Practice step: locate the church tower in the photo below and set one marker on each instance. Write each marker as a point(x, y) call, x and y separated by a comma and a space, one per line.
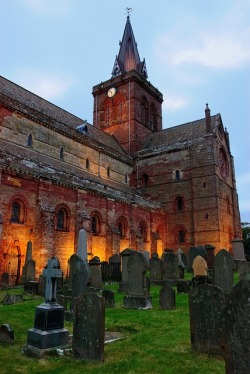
point(127, 105)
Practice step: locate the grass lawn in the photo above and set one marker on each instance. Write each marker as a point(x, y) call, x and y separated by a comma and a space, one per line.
point(155, 341)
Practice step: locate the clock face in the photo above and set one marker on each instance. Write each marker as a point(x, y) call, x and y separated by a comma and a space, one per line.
point(111, 92)
point(223, 165)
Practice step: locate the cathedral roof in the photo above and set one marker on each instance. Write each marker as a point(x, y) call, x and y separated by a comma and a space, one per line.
point(128, 57)
point(39, 109)
point(177, 137)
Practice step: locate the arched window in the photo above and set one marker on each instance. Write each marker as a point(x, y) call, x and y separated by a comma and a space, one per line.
point(144, 111)
point(181, 236)
point(107, 116)
point(61, 153)
point(121, 229)
point(30, 141)
point(126, 178)
point(62, 221)
point(95, 224)
point(108, 172)
point(144, 180)
point(17, 211)
point(87, 163)
point(177, 175)
point(153, 117)
point(143, 231)
point(179, 204)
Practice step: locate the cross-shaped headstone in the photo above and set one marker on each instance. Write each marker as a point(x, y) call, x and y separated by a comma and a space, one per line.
point(51, 273)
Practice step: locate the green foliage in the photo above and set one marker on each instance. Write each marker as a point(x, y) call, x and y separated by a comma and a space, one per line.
point(246, 238)
point(154, 341)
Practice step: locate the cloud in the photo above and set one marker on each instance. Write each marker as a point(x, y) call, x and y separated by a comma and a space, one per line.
point(243, 183)
point(221, 44)
point(47, 86)
point(55, 7)
point(174, 102)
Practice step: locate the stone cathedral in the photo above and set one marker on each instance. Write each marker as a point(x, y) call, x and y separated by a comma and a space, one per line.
point(126, 180)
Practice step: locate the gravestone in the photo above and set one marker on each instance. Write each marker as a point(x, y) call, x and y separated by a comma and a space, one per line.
point(154, 255)
point(210, 255)
point(105, 271)
point(31, 270)
point(238, 249)
point(79, 278)
point(182, 261)
point(244, 269)
point(82, 245)
point(89, 327)
point(109, 297)
point(194, 252)
point(48, 332)
point(6, 334)
point(5, 281)
point(123, 285)
point(205, 306)
point(115, 268)
point(137, 294)
point(28, 257)
point(167, 297)
point(224, 271)
point(199, 266)
point(146, 255)
point(12, 299)
point(155, 268)
point(183, 286)
point(235, 329)
point(96, 273)
point(170, 266)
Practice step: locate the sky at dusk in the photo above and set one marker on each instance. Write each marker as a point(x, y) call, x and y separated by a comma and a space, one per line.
point(196, 52)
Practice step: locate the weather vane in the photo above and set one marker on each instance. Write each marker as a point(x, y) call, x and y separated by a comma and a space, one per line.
point(128, 10)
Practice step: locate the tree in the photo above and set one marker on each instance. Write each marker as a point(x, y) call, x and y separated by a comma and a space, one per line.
point(246, 238)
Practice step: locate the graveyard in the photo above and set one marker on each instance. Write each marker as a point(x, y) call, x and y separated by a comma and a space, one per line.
point(156, 318)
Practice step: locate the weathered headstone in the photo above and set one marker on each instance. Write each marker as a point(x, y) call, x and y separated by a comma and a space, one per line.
point(6, 334)
point(89, 327)
point(170, 266)
point(12, 299)
point(235, 329)
point(48, 332)
point(199, 266)
point(109, 297)
point(137, 294)
point(123, 285)
point(31, 270)
point(210, 255)
point(183, 286)
point(79, 276)
point(244, 269)
point(5, 281)
point(82, 245)
point(28, 257)
point(192, 253)
point(96, 273)
point(238, 249)
point(205, 306)
point(182, 265)
point(224, 271)
point(167, 297)
point(155, 268)
point(115, 268)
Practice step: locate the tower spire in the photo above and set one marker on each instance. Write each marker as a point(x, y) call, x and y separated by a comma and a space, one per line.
point(128, 57)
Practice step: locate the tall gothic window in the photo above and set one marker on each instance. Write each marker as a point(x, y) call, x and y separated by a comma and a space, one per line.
point(30, 141)
point(61, 153)
point(179, 203)
point(144, 111)
point(181, 236)
point(17, 211)
point(62, 219)
point(95, 225)
point(87, 163)
point(153, 117)
point(107, 116)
